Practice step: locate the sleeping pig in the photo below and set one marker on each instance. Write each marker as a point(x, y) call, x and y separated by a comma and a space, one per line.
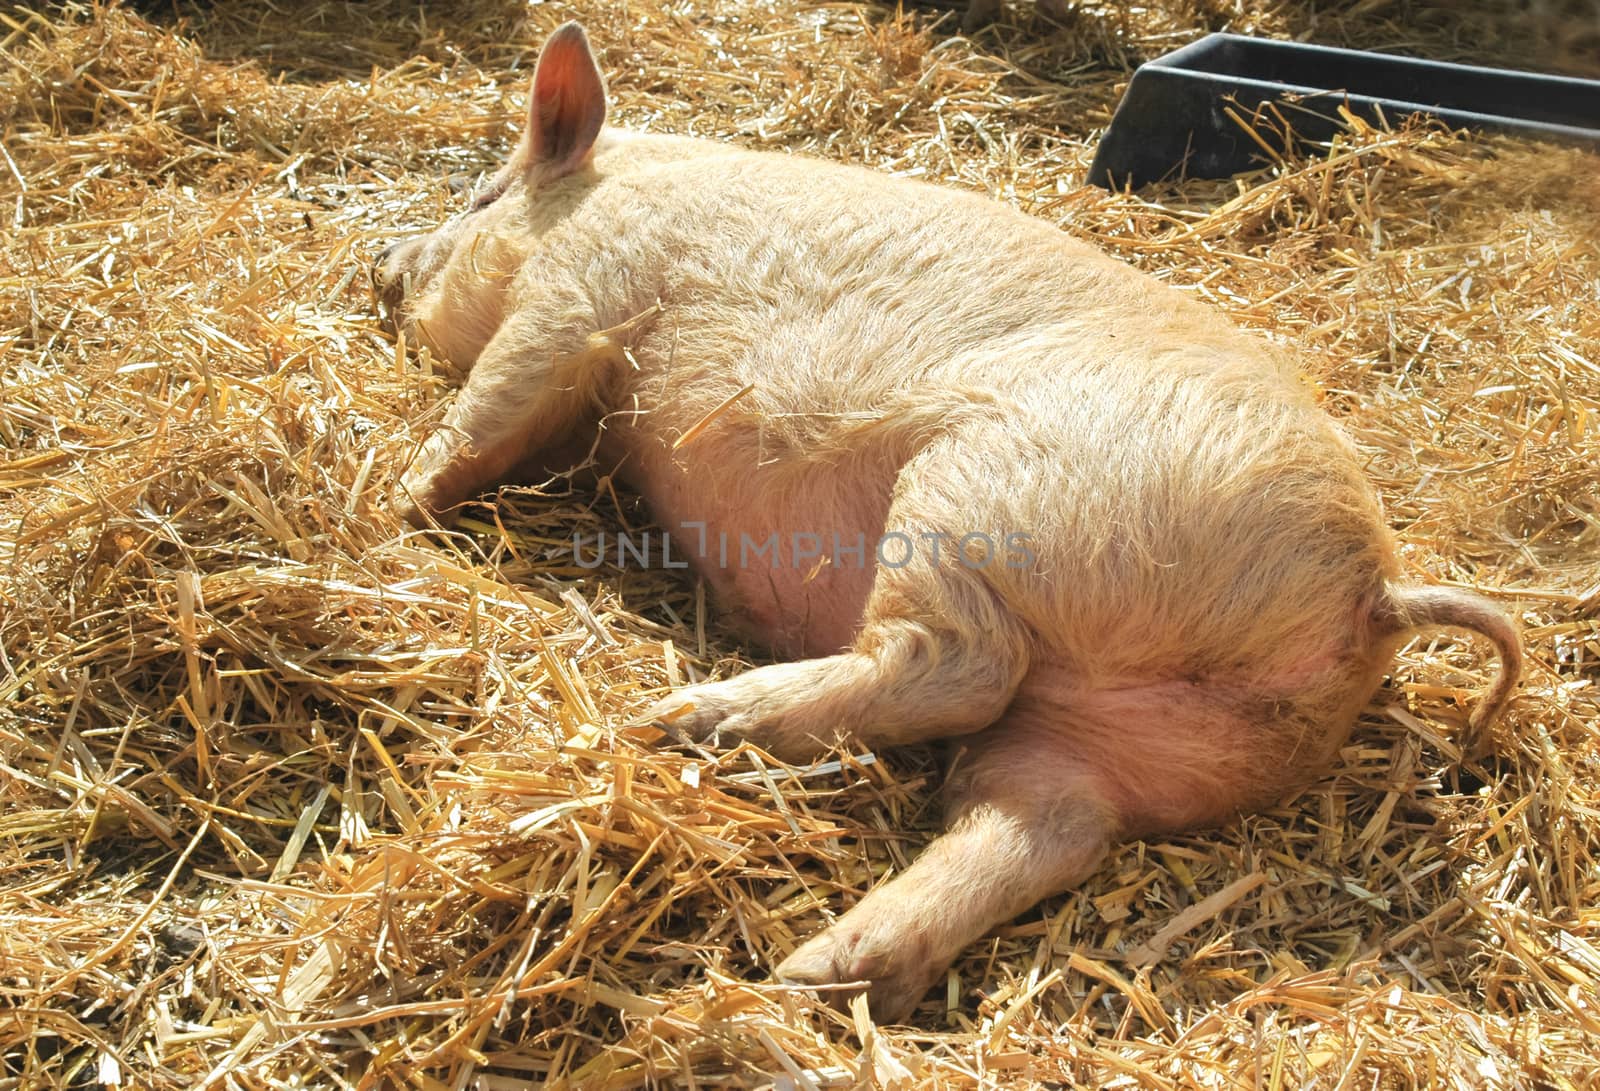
point(974, 480)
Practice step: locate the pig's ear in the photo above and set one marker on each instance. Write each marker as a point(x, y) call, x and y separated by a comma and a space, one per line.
point(568, 103)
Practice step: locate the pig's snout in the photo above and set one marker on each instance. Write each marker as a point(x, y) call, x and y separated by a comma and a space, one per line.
point(391, 271)
point(387, 287)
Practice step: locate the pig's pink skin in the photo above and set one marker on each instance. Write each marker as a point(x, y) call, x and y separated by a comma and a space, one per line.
point(769, 343)
point(793, 610)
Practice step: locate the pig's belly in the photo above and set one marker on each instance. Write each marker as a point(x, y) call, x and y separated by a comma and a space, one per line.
point(788, 550)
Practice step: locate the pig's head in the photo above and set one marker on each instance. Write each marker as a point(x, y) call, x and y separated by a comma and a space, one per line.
point(447, 289)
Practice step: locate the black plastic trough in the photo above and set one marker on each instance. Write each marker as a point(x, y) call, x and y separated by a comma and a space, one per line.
point(1175, 112)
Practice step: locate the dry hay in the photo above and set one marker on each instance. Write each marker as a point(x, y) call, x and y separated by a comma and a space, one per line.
point(289, 797)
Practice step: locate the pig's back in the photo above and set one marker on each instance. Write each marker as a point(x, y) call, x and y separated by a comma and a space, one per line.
point(838, 290)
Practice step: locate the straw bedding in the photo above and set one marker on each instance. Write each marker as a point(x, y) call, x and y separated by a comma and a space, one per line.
point(291, 797)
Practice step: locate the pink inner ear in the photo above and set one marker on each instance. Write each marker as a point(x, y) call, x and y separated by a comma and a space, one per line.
point(569, 102)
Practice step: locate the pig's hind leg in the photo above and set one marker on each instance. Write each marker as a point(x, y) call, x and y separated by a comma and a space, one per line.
point(1023, 822)
point(938, 652)
point(1035, 801)
point(527, 392)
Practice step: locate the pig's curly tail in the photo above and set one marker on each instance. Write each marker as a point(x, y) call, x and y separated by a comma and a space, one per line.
point(1402, 607)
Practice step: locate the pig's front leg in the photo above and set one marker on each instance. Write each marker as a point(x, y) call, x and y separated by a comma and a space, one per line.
point(526, 393)
point(1024, 823)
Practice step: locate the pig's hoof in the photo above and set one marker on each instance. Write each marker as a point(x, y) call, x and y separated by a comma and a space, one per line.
point(407, 511)
point(414, 503)
point(414, 514)
point(895, 968)
point(725, 714)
